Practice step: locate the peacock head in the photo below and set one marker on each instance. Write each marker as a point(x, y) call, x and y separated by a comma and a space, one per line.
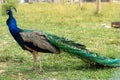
point(10, 11)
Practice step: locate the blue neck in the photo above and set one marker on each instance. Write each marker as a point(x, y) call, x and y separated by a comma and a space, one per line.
point(14, 30)
point(11, 22)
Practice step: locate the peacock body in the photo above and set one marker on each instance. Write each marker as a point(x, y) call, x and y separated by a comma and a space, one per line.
point(77, 49)
point(39, 41)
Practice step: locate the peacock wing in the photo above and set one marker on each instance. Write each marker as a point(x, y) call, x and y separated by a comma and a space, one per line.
point(38, 39)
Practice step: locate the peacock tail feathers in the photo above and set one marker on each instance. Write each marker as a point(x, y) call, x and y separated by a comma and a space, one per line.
point(80, 50)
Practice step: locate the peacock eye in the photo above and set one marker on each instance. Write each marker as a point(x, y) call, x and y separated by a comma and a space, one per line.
point(7, 12)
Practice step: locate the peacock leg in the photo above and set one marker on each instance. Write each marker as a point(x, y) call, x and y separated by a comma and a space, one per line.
point(37, 64)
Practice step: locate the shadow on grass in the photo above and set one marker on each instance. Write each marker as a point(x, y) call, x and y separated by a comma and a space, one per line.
point(16, 67)
point(57, 67)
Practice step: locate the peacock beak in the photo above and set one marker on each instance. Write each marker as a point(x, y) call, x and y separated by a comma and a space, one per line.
point(7, 12)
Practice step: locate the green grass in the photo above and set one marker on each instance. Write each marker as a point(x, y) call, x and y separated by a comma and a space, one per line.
point(84, 26)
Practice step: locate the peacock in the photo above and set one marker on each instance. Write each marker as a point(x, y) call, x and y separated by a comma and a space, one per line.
point(39, 41)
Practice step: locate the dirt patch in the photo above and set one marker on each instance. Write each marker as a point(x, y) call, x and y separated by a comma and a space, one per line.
point(2, 71)
point(3, 64)
point(3, 43)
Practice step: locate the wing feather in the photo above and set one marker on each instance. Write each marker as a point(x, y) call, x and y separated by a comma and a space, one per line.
point(39, 39)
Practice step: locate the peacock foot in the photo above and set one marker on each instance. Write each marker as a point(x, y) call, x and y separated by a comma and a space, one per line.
point(31, 69)
point(36, 70)
point(40, 71)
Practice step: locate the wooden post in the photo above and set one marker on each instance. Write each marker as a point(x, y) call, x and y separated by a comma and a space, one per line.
point(80, 3)
point(0, 1)
point(71, 1)
point(98, 5)
point(36, 0)
point(110, 1)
